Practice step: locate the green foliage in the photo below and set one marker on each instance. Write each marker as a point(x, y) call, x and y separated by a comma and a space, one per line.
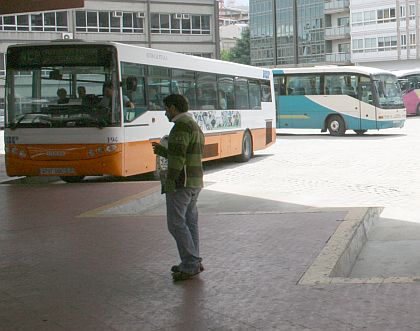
point(225, 55)
point(241, 52)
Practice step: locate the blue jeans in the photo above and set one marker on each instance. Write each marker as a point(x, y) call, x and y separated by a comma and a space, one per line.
point(182, 218)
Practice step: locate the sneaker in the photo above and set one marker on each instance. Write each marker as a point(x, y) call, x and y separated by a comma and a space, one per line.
point(175, 268)
point(179, 276)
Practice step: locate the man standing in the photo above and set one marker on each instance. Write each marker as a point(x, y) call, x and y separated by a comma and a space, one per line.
point(183, 184)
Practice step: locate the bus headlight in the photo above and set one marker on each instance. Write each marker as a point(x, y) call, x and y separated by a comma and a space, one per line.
point(91, 153)
point(100, 150)
point(15, 150)
point(111, 148)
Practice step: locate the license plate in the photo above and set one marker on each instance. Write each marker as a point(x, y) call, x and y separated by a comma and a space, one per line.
point(56, 171)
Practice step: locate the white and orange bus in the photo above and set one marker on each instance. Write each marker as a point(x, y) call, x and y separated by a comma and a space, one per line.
point(110, 107)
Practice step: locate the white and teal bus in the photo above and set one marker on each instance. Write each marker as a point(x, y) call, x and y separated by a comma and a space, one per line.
point(110, 108)
point(338, 98)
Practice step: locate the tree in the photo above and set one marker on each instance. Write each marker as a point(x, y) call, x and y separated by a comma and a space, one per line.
point(241, 52)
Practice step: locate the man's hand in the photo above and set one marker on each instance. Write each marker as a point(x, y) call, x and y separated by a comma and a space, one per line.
point(158, 149)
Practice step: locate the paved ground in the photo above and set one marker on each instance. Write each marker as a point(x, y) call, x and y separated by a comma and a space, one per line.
point(72, 259)
point(63, 268)
point(380, 168)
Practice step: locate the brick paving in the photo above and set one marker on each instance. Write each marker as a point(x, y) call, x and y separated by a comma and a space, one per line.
point(59, 271)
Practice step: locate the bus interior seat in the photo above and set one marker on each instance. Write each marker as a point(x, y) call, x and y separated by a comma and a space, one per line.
point(299, 91)
point(349, 90)
point(337, 90)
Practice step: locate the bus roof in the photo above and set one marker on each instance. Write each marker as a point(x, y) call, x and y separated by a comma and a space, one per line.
point(151, 56)
point(407, 72)
point(332, 69)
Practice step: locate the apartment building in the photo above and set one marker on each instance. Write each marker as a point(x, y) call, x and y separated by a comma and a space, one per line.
point(385, 33)
point(189, 27)
point(305, 32)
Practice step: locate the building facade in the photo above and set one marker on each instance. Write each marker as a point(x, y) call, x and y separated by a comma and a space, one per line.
point(305, 32)
point(189, 27)
point(385, 34)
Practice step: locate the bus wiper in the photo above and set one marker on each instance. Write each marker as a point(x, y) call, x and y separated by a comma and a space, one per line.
point(99, 123)
point(14, 126)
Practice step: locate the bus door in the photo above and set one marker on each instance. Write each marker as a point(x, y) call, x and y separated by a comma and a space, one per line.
point(367, 109)
point(284, 119)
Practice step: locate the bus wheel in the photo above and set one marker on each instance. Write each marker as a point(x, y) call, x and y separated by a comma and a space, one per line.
point(336, 125)
point(360, 132)
point(418, 110)
point(246, 154)
point(72, 179)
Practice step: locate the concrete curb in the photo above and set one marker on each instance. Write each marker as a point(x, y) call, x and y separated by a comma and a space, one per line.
point(129, 206)
point(336, 260)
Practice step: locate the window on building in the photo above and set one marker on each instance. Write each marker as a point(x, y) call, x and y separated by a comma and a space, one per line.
point(344, 48)
point(179, 23)
point(23, 22)
point(357, 19)
point(9, 23)
point(387, 43)
point(109, 21)
point(357, 45)
point(413, 42)
point(48, 21)
point(343, 21)
point(412, 11)
point(403, 41)
point(369, 17)
point(370, 45)
point(402, 12)
point(206, 55)
point(2, 64)
point(386, 15)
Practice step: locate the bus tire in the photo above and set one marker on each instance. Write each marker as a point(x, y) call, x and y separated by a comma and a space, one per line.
point(247, 150)
point(360, 132)
point(418, 110)
point(72, 179)
point(336, 125)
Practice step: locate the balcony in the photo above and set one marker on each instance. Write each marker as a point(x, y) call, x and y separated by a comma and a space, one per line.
point(337, 32)
point(336, 6)
point(338, 58)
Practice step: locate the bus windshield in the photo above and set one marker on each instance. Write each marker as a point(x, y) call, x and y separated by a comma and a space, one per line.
point(388, 91)
point(61, 87)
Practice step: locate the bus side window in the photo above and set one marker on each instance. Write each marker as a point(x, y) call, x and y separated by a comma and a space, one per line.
point(254, 95)
point(133, 90)
point(266, 91)
point(206, 91)
point(225, 87)
point(242, 93)
point(280, 85)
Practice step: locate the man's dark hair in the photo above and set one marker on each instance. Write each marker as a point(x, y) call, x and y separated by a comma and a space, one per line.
point(108, 83)
point(178, 101)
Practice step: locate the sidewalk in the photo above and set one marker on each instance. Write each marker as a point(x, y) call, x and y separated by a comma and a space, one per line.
point(93, 256)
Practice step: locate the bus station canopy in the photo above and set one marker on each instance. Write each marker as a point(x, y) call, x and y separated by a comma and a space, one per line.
point(27, 6)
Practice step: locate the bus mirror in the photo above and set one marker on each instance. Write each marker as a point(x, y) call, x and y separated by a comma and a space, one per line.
point(55, 74)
